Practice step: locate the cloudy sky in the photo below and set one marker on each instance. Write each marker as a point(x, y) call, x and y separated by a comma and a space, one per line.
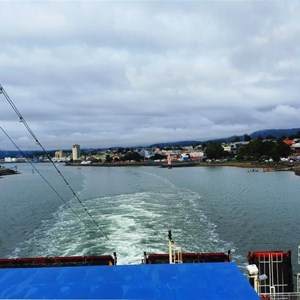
point(123, 73)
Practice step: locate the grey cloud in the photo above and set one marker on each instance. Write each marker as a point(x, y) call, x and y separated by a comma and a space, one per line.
point(124, 73)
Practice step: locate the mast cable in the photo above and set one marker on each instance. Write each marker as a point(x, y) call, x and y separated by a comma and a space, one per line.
point(43, 177)
point(22, 120)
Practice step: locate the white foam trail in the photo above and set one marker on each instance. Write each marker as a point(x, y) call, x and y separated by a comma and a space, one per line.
point(134, 222)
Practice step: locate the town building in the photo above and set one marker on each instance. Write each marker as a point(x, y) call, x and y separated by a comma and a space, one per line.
point(146, 153)
point(296, 149)
point(59, 154)
point(196, 155)
point(227, 148)
point(76, 152)
point(10, 159)
point(288, 142)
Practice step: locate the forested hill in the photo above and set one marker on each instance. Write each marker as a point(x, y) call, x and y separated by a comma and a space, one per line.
point(14, 153)
point(276, 133)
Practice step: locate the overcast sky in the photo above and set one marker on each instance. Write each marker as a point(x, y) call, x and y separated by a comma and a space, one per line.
point(123, 73)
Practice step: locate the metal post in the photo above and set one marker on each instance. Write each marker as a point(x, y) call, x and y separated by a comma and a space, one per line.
point(170, 248)
point(298, 283)
point(256, 283)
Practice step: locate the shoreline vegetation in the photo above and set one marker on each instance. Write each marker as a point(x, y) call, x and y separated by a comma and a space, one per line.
point(252, 166)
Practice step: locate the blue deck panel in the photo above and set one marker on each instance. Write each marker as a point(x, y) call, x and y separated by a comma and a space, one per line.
point(181, 281)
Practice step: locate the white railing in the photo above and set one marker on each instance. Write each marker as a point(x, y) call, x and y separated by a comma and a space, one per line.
point(177, 255)
point(269, 265)
point(175, 252)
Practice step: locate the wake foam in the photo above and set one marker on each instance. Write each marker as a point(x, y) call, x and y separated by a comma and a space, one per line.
point(134, 222)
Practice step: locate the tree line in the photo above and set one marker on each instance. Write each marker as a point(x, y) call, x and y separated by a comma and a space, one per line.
point(256, 149)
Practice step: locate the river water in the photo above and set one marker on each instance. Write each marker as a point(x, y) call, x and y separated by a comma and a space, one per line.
point(207, 209)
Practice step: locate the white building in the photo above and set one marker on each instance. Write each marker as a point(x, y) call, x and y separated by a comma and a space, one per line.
point(196, 155)
point(10, 159)
point(227, 148)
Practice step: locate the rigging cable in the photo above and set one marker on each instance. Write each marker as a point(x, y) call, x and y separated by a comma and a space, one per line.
point(43, 177)
point(22, 120)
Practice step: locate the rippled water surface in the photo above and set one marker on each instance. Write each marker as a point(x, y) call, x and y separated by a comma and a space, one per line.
point(208, 209)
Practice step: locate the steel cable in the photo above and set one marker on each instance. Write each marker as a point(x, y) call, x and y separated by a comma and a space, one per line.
point(21, 119)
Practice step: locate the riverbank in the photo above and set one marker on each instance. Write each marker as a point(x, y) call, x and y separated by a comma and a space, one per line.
point(271, 166)
point(264, 166)
point(276, 166)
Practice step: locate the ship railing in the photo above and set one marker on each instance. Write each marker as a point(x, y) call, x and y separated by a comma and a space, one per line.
point(280, 296)
point(177, 255)
point(175, 252)
point(271, 258)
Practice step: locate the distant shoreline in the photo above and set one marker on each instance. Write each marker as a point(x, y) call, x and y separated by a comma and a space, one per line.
point(270, 166)
point(251, 166)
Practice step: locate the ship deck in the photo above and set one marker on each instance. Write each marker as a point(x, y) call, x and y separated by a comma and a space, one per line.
point(161, 281)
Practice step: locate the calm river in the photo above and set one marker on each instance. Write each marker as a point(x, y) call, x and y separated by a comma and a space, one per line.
point(207, 208)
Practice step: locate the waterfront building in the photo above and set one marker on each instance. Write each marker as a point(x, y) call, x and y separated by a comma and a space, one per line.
point(296, 148)
point(197, 155)
point(146, 153)
point(76, 152)
point(226, 148)
point(10, 159)
point(59, 154)
point(288, 142)
point(236, 145)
